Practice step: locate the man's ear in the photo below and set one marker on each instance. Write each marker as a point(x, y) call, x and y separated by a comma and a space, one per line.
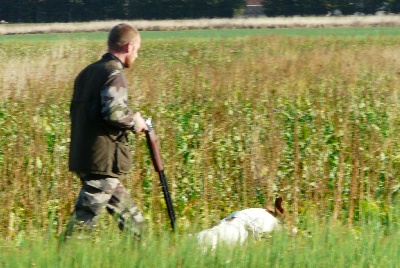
point(128, 47)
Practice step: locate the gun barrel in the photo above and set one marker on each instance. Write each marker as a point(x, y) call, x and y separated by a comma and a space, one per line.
point(167, 198)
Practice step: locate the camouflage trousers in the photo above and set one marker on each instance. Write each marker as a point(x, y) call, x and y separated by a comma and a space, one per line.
point(101, 192)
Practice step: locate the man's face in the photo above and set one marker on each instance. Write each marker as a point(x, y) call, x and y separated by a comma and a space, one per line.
point(133, 52)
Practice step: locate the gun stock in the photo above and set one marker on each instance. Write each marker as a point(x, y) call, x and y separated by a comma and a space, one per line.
point(152, 142)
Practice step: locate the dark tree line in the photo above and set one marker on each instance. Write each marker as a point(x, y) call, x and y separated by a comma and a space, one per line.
point(89, 10)
point(322, 7)
point(177, 9)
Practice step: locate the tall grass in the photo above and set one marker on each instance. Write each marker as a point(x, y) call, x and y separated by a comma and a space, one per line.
point(324, 244)
point(314, 119)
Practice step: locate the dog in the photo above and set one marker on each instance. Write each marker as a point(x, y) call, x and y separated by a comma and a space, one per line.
point(238, 226)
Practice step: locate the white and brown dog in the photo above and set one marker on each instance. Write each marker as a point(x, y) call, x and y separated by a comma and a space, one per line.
point(238, 226)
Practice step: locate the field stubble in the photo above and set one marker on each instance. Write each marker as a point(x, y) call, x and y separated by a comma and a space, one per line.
point(390, 20)
point(313, 119)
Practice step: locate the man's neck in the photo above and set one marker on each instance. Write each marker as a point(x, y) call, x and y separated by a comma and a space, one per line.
point(118, 56)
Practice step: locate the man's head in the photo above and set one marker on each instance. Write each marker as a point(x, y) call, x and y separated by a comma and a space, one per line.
point(124, 42)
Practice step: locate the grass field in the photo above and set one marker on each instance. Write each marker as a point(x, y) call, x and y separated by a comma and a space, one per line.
point(242, 116)
point(323, 245)
point(218, 33)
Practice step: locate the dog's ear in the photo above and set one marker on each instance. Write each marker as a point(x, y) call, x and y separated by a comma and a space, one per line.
point(279, 210)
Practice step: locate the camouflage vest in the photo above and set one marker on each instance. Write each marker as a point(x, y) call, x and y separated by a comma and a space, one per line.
point(96, 147)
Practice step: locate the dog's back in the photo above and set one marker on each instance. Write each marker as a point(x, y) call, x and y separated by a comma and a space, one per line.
point(256, 220)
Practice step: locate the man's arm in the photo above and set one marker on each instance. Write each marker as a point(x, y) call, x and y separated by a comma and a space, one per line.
point(114, 107)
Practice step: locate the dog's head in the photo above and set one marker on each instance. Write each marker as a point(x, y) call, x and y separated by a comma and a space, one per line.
point(278, 211)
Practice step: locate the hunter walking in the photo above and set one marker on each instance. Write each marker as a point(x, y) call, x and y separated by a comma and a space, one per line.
point(100, 122)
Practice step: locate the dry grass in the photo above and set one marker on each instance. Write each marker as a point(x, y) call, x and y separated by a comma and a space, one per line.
point(236, 23)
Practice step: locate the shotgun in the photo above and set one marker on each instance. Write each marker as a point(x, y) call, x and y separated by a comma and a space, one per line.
point(154, 148)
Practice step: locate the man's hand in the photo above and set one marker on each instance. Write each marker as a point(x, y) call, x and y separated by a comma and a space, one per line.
point(140, 124)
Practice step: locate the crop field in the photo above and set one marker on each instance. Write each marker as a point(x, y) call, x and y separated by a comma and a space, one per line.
point(242, 116)
point(100, 36)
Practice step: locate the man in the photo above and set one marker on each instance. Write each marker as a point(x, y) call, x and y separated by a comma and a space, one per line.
point(100, 121)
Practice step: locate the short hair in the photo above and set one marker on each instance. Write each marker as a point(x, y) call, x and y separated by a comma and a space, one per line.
point(120, 35)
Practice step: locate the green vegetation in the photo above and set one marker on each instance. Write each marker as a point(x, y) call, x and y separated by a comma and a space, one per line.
point(314, 119)
point(318, 245)
point(219, 33)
